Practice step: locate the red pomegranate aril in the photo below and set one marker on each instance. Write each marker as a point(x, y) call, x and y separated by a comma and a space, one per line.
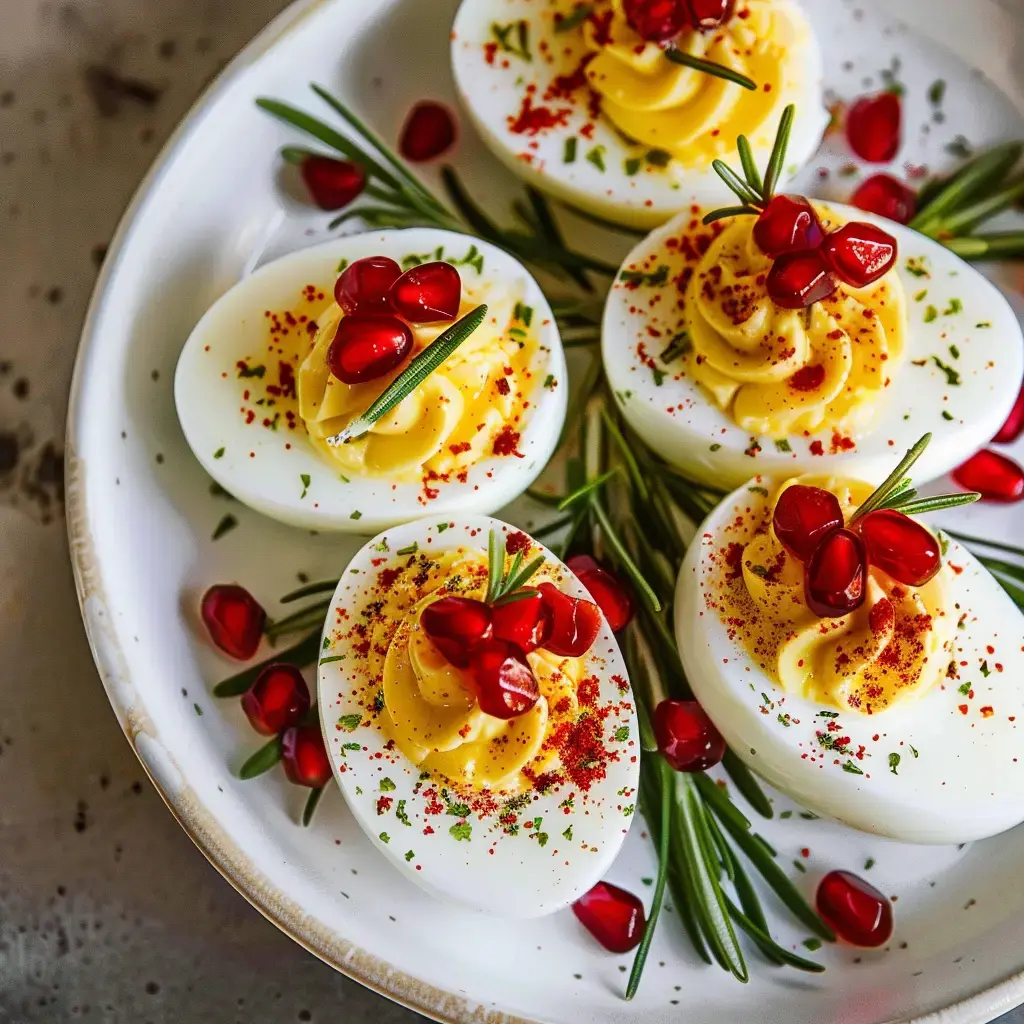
point(900, 546)
point(575, 623)
point(857, 912)
point(277, 700)
point(367, 346)
point(332, 184)
point(788, 224)
point(1014, 425)
point(428, 294)
point(860, 253)
point(524, 622)
point(995, 477)
point(657, 21)
point(364, 286)
point(686, 737)
point(612, 594)
point(429, 131)
point(706, 14)
point(884, 195)
point(505, 686)
point(454, 624)
point(835, 577)
point(873, 127)
point(304, 756)
point(799, 279)
point(803, 517)
point(234, 619)
point(613, 916)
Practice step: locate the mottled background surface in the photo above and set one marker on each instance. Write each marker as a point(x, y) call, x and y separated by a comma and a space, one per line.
point(107, 911)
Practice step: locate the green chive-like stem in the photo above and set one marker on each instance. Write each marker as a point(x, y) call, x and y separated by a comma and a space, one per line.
point(750, 171)
point(1005, 245)
point(495, 564)
point(729, 211)
point(746, 195)
point(309, 590)
point(304, 653)
point(262, 761)
point(893, 480)
point(421, 367)
point(709, 67)
point(590, 486)
point(777, 161)
point(311, 801)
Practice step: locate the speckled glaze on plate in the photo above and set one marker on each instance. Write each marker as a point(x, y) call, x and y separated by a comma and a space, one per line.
point(141, 516)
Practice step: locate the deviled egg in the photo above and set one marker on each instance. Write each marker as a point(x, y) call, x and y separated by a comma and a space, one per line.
point(724, 376)
point(477, 713)
point(285, 366)
point(590, 103)
point(869, 669)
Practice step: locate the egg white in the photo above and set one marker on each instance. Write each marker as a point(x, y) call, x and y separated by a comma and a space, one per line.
point(492, 94)
point(272, 479)
point(966, 779)
point(679, 421)
point(520, 878)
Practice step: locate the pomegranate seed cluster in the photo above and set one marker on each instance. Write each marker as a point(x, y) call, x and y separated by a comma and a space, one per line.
point(808, 263)
point(660, 21)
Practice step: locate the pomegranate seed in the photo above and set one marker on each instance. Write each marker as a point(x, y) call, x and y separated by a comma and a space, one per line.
point(788, 224)
point(860, 253)
point(525, 622)
point(428, 132)
point(234, 619)
point(575, 623)
point(803, 517)
point(686, 737)
point(995, 477)
point(835, 576)
point(428, 294)
point(277, 700)
point(505, 686)
point(363, 286)
point(612, 594)
point(706, 14)
point(900, 546)
point(873, 127)
point(367, 346)
point(799, 279)
point(613, 916)
point(857, 912)
point(454, 624)
point(1014, 425)
point(304, 756)
point(884, 195)
point(332, 183)
point(657, 21)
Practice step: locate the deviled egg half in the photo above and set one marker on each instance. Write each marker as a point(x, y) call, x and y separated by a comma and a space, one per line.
point(478, 715)
point(724, 360)
point(589, 102)
point(871, 670)
point(291, 358)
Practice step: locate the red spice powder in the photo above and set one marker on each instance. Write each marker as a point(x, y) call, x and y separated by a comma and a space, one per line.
point(532, 120)
point(503, 386)
point(516, 541)
point(807, 378)
point(506, 443)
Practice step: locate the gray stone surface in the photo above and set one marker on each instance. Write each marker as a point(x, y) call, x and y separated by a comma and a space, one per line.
point(107, 911)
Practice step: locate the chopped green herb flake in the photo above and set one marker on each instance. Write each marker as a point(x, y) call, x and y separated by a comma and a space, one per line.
point(917, 266)
point(342, 265)
point(410, 550)
point(549, 381)
point(715, 447)
point(946, 414)
point(567, 834)
point(812, 944)
point(385, 838)
point(402, 814)
point(894, 763)
point(964, 689)
point(913, 750)
point(245, 370)
point(919, 297)
point(828, 714)
point(784, 720)
point(808, 816)
point(517, 44)
point(758, 489)
point(659, 157)
point(936, 91)
point(409, 855)
point(226, 525)
point(305, 478)
point(198, 710)
point(985, 670)
point(356, 515)
point(955, 306)
point(659, 376)
point(571, 145)
point(952, 375)
point(851, 768)
point(622, 733)
point(632, 166)
point(332, 659)
point(441, 527)
point(983, 324)
point(783, 445)
point(653, 278)
point(219, 453)
point(461, 830)
point(930, 314)
point(799, 866)
point(350, 722)
point(574, 18)
point(786, 814)
point(596, 157)
point(386, 785)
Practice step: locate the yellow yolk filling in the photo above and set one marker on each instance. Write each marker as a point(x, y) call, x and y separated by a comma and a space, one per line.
point(888, 650)
point(782, 371)
point(692, 115)
point(452, 419)
point(429, 708)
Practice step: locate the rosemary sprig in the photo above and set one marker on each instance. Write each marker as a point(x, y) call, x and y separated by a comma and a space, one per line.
point(1002, 245)
point(709, 67)
point(894, 481)
point(413, 375)
point(505, 586)
point(753, 192)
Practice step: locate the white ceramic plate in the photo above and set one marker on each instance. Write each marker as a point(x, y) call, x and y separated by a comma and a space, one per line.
point(141, 517)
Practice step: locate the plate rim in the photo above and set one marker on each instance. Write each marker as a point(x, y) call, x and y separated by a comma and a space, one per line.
point(198, 823)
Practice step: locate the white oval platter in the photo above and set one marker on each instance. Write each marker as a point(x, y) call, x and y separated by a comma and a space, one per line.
point(141, 516)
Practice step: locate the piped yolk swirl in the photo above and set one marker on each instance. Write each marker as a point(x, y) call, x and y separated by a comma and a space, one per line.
point(690, 114)
point(781, 371)
point(888, 650)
